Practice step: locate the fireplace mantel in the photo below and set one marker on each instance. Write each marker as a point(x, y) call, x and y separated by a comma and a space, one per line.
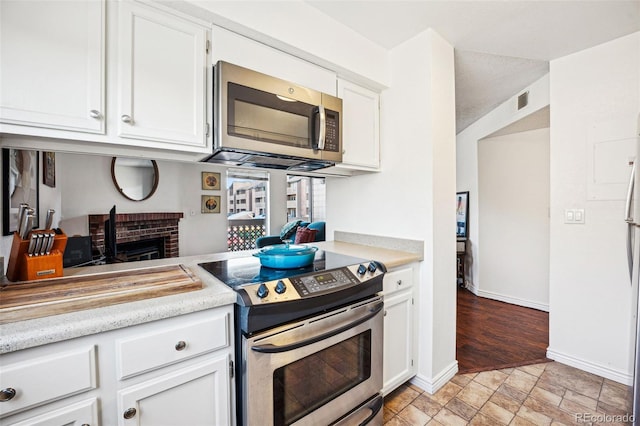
point(137, 227)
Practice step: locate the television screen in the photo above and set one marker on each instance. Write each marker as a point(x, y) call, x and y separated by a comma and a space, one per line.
point(110, 250)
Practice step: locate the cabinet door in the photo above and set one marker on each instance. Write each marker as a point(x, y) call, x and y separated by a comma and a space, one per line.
point(398, 344)
point(82, 413)
point(361, 125)
point(197, 395)
point(52, 67)
point(162, 78)
point(239, 50)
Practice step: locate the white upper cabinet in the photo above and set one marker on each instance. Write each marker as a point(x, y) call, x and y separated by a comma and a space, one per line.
point(52, 64)
point(360, 126)
point(162, 77)
point(245, 52)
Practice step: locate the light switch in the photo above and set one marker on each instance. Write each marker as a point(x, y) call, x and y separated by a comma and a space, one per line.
point(574, 216)
point(569, 216)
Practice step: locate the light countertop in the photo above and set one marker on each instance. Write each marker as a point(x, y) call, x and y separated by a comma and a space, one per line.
point(35, 332)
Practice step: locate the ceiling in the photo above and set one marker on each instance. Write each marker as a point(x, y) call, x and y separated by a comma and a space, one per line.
point(501, 47)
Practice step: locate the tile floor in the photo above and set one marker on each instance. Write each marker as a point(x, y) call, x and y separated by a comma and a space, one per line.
point(540, 394)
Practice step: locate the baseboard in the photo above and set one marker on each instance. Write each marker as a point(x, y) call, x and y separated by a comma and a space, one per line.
point(599, 370)
point(441, 379)
point(509, 299)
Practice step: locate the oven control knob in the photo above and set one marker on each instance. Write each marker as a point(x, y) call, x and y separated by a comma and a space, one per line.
point(280, 287)
point(372, 267)
point(362, 269)
point(263, 291)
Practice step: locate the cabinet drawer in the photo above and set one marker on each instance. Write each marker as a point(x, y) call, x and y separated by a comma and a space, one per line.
point(82, 413)
point(152, 350)
point(41, 380)
point(397, 280)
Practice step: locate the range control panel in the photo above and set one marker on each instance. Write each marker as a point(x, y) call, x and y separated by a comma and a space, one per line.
point(311, 284)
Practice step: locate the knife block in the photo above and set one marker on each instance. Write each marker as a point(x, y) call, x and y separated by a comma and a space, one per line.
point(23, 267)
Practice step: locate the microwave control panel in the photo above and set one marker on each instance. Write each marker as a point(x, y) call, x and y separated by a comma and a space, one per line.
point(332, 138)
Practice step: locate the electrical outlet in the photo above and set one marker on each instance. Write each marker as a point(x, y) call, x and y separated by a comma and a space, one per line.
point(574, 216)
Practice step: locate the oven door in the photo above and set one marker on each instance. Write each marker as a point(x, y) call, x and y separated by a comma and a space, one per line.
point(316, 371)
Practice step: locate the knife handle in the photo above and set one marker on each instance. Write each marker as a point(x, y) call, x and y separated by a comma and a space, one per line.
point(39, 242)
point(52, 237)
point(32, 244)
point(49, 220)
point(22, 212)
point(23, 226)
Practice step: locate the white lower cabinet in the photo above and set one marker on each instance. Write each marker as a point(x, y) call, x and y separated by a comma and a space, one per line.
point(198, 395)
point(399, 347)
point(174, 371)
point(38, 380)
point(83, 413)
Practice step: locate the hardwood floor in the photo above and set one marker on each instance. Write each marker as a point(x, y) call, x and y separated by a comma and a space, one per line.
point(493, 335)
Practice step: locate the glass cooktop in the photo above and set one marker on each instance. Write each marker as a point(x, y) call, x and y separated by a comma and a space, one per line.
point(245, 270)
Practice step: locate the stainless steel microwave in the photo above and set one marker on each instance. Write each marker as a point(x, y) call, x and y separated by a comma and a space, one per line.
point(263, 121)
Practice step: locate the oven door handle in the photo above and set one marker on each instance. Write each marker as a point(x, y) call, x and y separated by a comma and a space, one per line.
point(375, 407)
point(273, 349)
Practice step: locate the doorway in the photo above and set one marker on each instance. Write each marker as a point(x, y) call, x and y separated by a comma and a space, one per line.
point(512, 267)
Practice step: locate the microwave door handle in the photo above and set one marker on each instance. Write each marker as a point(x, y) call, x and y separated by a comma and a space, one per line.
point(323, 127)
point(273, 349)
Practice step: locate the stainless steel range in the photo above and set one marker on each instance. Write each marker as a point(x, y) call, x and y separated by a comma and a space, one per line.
point(308, 340)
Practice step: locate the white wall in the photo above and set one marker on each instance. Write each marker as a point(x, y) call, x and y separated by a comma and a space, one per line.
point(467, 163)
point(414, 195)
point(594, 109)
point(514, 217)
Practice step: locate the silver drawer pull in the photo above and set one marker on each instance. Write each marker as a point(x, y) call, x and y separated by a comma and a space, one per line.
point(7, 394)
point(181, 345)
point(94, 113)
point(129, 413)
point(399, 282)
point(126, 119)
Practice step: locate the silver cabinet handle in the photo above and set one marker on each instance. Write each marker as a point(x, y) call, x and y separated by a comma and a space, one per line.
point(129, 413)
point(7, 394)
point(126, 118)
point(399, 282)
point(94, 113)
point(181, 345)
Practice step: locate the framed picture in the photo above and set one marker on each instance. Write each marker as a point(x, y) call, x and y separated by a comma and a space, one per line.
point(210, 180)
point(210, 204)
point(19, 185)
point(49, 169)
point(462, 214)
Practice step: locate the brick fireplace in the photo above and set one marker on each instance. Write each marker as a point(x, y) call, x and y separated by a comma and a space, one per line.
point(139, 227)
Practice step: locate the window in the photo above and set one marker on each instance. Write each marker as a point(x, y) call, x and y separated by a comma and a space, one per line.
point(306, 198)
point(247, 192)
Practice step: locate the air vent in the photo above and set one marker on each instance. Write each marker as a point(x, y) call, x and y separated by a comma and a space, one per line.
point(523, 100)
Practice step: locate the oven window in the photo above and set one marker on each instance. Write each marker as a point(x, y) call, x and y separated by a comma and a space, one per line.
point(306, 384)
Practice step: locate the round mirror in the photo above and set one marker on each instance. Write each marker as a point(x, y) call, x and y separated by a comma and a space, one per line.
point(135, 178)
